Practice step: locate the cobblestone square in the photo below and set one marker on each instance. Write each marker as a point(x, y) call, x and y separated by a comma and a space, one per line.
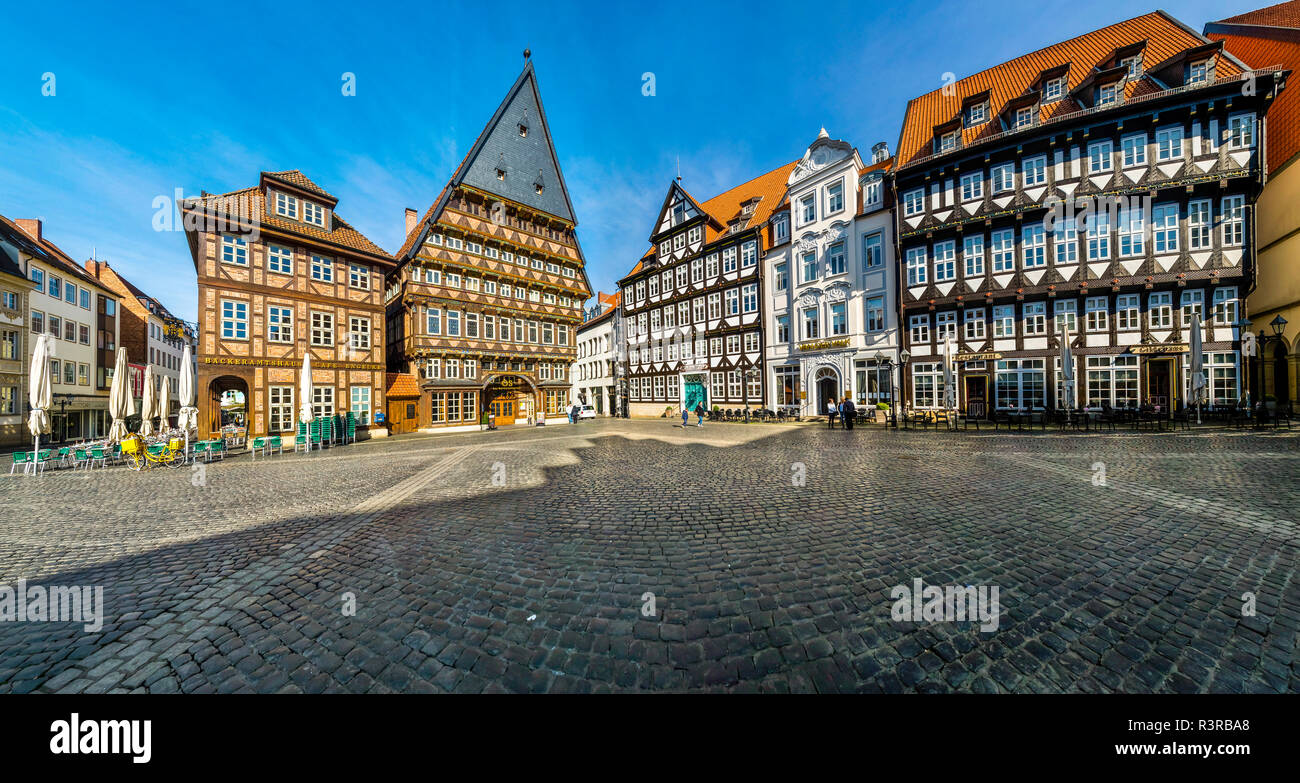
point(527, 561)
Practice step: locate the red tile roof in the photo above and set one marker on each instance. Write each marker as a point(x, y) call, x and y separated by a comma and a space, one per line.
point(1261, 39)
point(299, 180)
point(53, 254)
point(401, 385)
point(1084, 55)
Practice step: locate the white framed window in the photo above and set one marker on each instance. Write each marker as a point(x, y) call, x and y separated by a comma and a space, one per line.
point(1065, 241)
point(279, 324)
point(1025, 116)
point(322, 401)
point(1096, 311)
point(279, 259)
point(1127, 312)
point(750, 297)
point(834, 197)
point(1099, 236)
point(1100, 157)
point(918, 327)
point(322, 269)
point(811, 323)
point(361, 404)
point(359, 333)
point(977, 113)
point(1198, 73)
point(876, 314)
point(947, 142)
point(1164, 228)
point(1192, 302)
point(711, 265)
point(280, 399)
point(872, 251)
point(1234, 220)
point(313, 213)
point(807, 209)
point(1035, 170)
point(1132, 235)
point(1066, 312)
point(945, 325)
point(972, 251)
point(1160, 310)
point(733, 302)
point(1053, 89)
point(1004, 321)
point(1241, 131)
point(433, 321)
point(1107, 94)
point(945, 264)
point(359, 276)
point(835, 258)
point(927, 385)
point(1226, 306)
point(729, 259)
point(234, 250)
point(839, 319)
point(809, 267)
point(1033, 238)
point(974, 322)
point(914, 202)
point(286, 205)
point(1169, 143)
point(748, 258)
point(1002, 178)
point(322, 328)
point(916, 266)
point(1199, 224)
point(972, 186)
point(1003, 247)
point(1035, 318)
point(1134, 148)
point(1133, 65)
point(234, 319)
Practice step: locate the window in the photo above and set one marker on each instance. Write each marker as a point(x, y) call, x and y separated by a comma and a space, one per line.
point(1004, 250)
point(1053, 89)
point(234, 320)
point(322, 269)
point(711, 265)
point(972, 251)
point(1225, 306)
point(281, 408)
point(1066, 311)
point(809, 267)
point(433, 323)
point(85, 299)
point(1099, 157)
point(55, 325)
point(807, 209)
point(1234, 220)
point(38, 277)
point(83, 374)
point(1132, 237)
point(811, 328)
point(927, 385)
point(10, 342)
point(872, 252)
point(1035, 170)
point(751, 342)
point(947, 141)
point(433, 368)
point(1112, 380)
point(1164, 227)
point(839, 321)
point(313, 213)
point(279, 259)
point(918, 327)
point(945, 325)
point(729, 260)
point(1135, 149)
point(359, 277)
point(1035, 318)
point(1169, 144)
point(733, 344)
point(234, 250)
point(972, 186)
point(1096, 311)
point(1160, 310)
point(783, 328)
point(945, 254)
point(977, 113)
point(1033, 238)
point(322, 401)
point(70, 373)
point(1003, 178)
point(1019, 383)
point(1107, 94)
point(361, 404)
point(914, 202)
point(1198, 72)
point(70, 331)
point(835, 258)
point(1025, 117)
point(1198, 224)
point(8, 400)
point(1241, 131)
point(1099, 236)
point(1222, 369)
point(871, 191)
point(279, 324)
point(38, 321)
point(876, 314)
point(698, 310)
point(733, 302)
point(1126, 312)
point(916, 266)
point(835, 198)
point(750, 296)
point(70, 293)
point(653, 286)
point(781, 277)
point(1004, 321)
point(716, 385)
point(1065, 241)
point(1133, 65)
point(286, 205)
point(1192, 303)
point(359, 333)
point(322, 328)
point(974, 320)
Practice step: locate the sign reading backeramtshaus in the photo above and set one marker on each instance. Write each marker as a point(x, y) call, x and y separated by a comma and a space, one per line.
point(1101, 188)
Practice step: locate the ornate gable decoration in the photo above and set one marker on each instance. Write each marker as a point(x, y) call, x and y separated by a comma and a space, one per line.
point(823, 152)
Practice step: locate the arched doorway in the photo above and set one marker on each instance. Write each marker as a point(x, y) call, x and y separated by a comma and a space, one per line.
point(511, 398)
point(827, 383)
point(1281, 386)
point(227, 407)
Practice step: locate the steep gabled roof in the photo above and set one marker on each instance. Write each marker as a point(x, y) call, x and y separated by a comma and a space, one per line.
point(299, 180)
point(44, 249)
point(1162, 36)
point(1262, 39)
point(526, 159)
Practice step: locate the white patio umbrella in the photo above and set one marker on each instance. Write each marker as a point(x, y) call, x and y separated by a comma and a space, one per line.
point(148, 405)
point(188, 418)
point(165, 404)
point(304, 391)
point(39, 395)
point(1198, 361)
point(1067, 371)
point(949, 381)
point(120, 403)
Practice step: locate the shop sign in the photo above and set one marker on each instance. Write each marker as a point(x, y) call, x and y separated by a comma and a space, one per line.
point(1160, 348)
point(987, 356)
point(824, 345)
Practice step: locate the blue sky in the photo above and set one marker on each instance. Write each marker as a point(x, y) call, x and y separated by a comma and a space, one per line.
point(151, 98)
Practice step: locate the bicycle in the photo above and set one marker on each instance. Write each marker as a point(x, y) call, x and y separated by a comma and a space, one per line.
point(139, 456)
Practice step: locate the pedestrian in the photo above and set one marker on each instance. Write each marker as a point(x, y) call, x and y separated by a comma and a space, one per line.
point(699, 414)
point(847, 413)
point(830, 413)
point(686, 415)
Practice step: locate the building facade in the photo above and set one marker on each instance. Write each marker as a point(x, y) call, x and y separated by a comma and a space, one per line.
point(694, 330)
point(14, 290)
point(1101, 189)
point(830, 322)
point(1262, 39)
point(281, 276)
point(486, 299)
point(595, 373)
point(151, 334)
point(81, 315)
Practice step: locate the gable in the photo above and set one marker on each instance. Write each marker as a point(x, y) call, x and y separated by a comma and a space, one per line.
point(677, 210)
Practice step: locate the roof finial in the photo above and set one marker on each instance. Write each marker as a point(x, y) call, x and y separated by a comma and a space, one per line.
point(527, 54)
point(679, 168)
point(823, 134)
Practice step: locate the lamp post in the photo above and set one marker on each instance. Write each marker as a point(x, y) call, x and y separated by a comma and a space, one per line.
point(1278, 325)
point(903, 358)
point(748, 375)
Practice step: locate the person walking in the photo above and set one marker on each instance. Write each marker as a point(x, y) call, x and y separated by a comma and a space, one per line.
point(830, 413)
point(699, 414)
point(686, 415)
point(847, 413)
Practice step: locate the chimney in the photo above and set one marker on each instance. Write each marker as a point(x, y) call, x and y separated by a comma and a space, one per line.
point(411, 220)
point(32, 226)
point(879, 152)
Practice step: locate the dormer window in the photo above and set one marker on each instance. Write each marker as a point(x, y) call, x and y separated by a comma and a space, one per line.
point(781, 229)
point(1133, 66)
point(501, 174)
point(286, 205)
point(523, 130)
point(313, 213)
point(976, 114)
point(1053, 89)
point(1107, 94)
point(1198, 73)
point(947, 142)
point(1024, 117)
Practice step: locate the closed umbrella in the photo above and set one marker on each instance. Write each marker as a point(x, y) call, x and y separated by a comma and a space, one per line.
point(1067, 370)
point(148, 405)
point(120, 403)
point(1198, 362)
point(39, 396)
point(188, 418)
point(165, 405)
point(949, 383)
point(304, 396)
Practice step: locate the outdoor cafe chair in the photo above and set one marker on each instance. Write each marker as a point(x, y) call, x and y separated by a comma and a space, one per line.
point(97, 457)
point(79, 458)
point(276, 444)
point(23, 458)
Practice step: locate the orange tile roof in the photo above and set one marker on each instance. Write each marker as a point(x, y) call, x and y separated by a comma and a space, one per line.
point(299, 180)
point(1261, 39)
point(1165, 37)
point(252, 202)
point(54, 254)
point(883, 165)
point(401, 385)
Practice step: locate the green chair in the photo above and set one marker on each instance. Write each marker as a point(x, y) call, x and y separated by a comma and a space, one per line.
point(63, 455)
point(217, 449)
point(23, 458)
point(351, 428)
point(259, 444)
point(274, 443)
point(200, 448)
point(97, 456)
point(317, 433)
point(42, 459)
point(79, 458)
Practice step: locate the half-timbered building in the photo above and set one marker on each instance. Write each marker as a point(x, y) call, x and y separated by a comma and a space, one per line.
point(1100, 188)
point(487, 296)
point(281, 276)
point(691, 309)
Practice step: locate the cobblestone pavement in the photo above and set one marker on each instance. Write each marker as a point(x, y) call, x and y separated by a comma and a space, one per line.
point(521, 560)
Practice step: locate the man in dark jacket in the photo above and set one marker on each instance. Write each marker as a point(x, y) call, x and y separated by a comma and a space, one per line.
point(847, 413)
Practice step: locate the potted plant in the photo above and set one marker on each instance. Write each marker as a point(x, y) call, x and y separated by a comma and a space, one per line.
point(882, 412)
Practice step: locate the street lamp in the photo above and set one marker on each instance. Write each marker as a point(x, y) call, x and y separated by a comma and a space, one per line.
point(749, 374)
point(903, 358)
point(1278, 325)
